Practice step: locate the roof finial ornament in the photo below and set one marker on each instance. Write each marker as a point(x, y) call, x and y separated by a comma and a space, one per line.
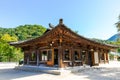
point(61, 21)
point(51, 26)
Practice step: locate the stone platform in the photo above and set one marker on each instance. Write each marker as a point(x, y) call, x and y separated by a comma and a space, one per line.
point(49, 70)
point(58, 71)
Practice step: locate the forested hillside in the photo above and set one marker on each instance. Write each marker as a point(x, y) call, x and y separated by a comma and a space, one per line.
point(22, 32)
point(115, 37)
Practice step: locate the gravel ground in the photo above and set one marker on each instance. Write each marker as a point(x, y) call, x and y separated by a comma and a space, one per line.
point(107, 72)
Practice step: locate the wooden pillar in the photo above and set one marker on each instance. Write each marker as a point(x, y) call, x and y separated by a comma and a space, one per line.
point(72, 56)
point(107, 60)
point(60, 59)
point(27, 57)
point(37, 57)
point(28, 60)
point(86, 56)
point(99, 55)
point(105, 57)
point(93, 59)
point(81, 57)
point(25, 61)
point(53, 53)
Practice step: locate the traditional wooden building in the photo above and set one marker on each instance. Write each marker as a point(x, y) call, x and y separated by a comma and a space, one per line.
point(62, 47)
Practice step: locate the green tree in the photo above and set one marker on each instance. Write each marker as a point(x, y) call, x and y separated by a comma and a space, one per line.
point(7, 52)
point(8, 38)
point(18, 54)
point(22, 32)
point(27, 31)
point(2, 49)
point(118, 24)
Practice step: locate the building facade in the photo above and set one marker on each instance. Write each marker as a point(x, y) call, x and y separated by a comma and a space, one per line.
point(62, 47)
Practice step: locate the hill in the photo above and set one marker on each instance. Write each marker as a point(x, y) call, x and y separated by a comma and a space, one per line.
point(114, 37)
point(23, 32)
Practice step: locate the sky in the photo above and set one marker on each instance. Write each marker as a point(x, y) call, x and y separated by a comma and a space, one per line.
point(91, 18)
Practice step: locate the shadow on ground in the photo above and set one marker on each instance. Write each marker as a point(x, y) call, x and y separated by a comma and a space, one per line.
point(101, 74)
point(7, 72)
point(11, 74)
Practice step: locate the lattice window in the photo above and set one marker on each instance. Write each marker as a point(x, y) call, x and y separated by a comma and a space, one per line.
point(44, 56)
point(66, 54)
point(76, 55)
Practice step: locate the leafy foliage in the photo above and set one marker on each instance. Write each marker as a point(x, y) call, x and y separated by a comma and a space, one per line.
point(118, 23)
point(111, 56)
point(22, 32)
point(7, 52)
point(8, 38)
